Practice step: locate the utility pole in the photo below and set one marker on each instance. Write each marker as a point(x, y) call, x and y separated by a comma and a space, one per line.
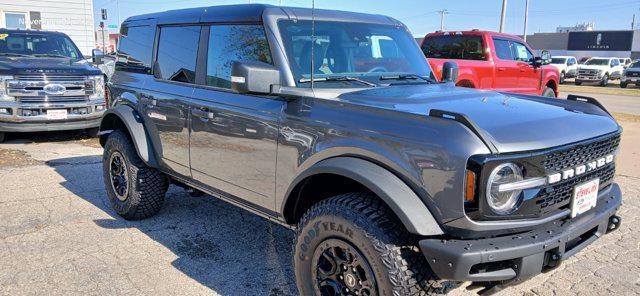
point(504, 14)
point(442, 14)
point(633, 22)
point(526, 19)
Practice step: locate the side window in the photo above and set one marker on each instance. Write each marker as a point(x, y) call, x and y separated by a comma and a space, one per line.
point(177, 53)
point(615, 62)
point(572, 61)
point(461, 47)
point(135, 49)
point(521, 52)
point(503, 49)
point(231, 43)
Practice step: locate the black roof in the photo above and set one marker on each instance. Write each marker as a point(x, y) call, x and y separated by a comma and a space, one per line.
point(252, 13)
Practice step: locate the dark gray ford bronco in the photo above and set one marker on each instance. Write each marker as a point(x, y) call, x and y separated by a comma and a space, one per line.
point(331, 123)
point(47, 85)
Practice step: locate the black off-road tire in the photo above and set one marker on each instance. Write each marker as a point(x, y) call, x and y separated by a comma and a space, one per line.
point(146, 186)
point(578, 83)
point(623, 84)
point(369, 226)
point(549, 92)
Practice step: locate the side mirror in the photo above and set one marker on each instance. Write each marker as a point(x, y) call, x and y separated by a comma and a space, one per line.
point(97, 56)
point(449, 72)
point(537, 62)
point(254, 77)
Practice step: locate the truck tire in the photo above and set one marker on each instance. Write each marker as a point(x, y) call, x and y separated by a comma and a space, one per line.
point(135, 190)
point(605, 80)
point(562, 77)
point(623, 84)
point(578, 82)
point(549, 92)
point(353, 244)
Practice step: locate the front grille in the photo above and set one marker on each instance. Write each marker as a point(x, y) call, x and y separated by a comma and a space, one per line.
point(633, 74)
point(55, 99)
point(31, 88)
point(580, 154)
point(588, 72)
point(560, 195)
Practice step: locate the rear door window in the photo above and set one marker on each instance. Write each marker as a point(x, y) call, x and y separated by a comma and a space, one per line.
point(231, 43)
point(460, 47)
point(177, 53)
point(503, 49)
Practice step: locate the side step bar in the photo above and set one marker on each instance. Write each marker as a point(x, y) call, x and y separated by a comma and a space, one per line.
point(466, 121)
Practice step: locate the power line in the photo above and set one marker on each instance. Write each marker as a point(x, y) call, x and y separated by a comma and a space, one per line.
point(442, 14)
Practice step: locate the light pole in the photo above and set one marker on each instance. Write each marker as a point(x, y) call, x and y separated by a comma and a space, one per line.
point(526, 19)
point(442, 14)
point(504, 13)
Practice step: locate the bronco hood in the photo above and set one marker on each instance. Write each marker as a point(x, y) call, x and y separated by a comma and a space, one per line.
point(36, 65)
point(513, 122)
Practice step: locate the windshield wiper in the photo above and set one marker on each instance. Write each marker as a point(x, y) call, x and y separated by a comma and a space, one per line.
point(50, 55)
point(334, 79)
point(406, 77)
point(9, 54)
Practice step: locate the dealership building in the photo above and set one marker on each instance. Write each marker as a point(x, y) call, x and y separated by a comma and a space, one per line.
point(72, 17)
point(621, 43)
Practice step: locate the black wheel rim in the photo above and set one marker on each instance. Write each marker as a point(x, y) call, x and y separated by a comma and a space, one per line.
point(340, 269)
point(119, 176)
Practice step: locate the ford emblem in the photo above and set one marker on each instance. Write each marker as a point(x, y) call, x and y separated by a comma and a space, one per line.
point(54, 89)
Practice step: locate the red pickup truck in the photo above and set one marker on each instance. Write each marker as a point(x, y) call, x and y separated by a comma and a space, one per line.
point(490, 60)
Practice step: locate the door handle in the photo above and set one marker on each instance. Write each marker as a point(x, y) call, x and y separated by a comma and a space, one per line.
point(202, 113)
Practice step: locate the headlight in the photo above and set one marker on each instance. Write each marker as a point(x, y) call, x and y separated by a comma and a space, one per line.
point(3, 89)
point(504, 203)
point(98, 87)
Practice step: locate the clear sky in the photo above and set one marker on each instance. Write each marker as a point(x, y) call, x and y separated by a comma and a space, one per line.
point(422, 15)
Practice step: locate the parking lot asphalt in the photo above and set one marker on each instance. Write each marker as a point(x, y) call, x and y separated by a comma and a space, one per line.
point(59, 236)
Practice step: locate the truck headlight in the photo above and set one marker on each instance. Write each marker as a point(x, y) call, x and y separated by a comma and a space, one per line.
point(503, 203)
point(98, 87)
point(4, 97)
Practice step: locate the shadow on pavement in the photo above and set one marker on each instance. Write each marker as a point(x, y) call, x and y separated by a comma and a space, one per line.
point(224, 248)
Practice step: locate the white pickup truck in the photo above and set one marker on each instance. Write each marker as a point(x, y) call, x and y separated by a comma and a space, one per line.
point(567, 66)
point(599, 70)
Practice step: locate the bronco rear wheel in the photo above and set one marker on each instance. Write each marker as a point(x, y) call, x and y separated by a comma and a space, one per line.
point(135, 190)
point(353, 244)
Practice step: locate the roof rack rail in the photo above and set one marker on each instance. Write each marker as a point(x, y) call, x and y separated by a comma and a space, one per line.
point(589, 100)
point(466, 121)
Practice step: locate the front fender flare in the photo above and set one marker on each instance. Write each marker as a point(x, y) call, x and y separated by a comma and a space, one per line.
point(402, 200)
point(135, 127)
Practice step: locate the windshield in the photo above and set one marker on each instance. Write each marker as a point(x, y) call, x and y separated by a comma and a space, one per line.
point(635, 65)
point(597, 62)
point(558, 60)
point(367, 52)
point(37, 44)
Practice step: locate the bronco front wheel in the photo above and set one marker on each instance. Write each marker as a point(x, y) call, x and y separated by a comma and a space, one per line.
point(135, 190)
point(353, 244)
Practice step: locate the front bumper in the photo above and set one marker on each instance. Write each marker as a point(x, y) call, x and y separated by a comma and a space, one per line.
point(588, 78)
point(81, 115)
point(626, 79)
point(524, 255)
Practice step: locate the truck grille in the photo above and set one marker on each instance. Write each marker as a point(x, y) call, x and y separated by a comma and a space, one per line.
point(580, 154)
point(588, 72)
point(633, 74)
point(31, 88)
point(559, 195)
